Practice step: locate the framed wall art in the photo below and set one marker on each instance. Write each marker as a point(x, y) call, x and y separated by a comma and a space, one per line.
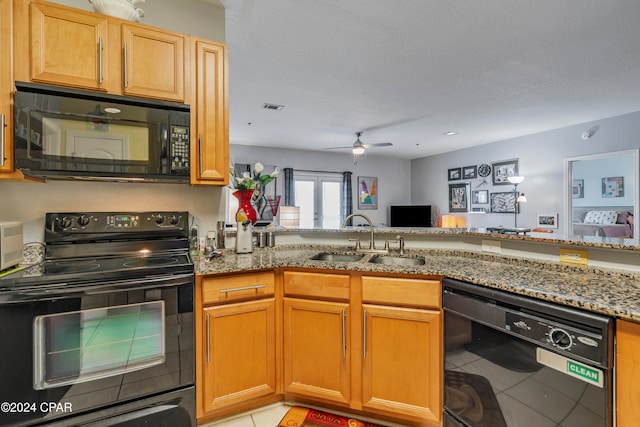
point(480, 197)
point(547, 220)
point(459, 197)
point(367, 192)
point(613, 186)
point(455, 174)
point(503, 170)
point(577, 188)
point(503, 202)
point(470, 172)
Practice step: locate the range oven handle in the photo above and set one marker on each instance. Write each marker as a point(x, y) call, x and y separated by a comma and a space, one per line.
point(44, 292)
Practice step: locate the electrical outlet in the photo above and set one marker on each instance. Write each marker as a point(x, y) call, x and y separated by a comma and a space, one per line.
point(573, 256)
point(491, 246)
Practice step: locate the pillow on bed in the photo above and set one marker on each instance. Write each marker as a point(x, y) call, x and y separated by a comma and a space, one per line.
point(623, 216)
point(601, 217)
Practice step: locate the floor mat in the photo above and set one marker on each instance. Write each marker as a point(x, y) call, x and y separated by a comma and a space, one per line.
point(305, 417)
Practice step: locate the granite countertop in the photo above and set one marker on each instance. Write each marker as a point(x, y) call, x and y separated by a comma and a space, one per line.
point(603, 291)
point(539, 237)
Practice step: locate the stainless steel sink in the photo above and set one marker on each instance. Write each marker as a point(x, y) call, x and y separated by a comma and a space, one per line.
point(397, 260)
point(329, 257)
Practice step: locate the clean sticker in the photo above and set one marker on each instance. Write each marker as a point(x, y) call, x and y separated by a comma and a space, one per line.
point(578, 370)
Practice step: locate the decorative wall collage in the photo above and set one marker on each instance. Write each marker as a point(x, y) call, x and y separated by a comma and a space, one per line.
point(476, 192)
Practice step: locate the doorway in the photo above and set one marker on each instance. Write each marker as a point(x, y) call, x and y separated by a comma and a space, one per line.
point(602, 195)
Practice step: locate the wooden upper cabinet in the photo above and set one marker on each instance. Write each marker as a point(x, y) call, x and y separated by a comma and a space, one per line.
point(6, 118)
point(86, 50)
point(154, 63)
point(210, 132)
point(68, 47)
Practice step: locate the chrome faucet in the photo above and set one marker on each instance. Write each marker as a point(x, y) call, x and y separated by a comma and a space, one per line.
point(372, 243)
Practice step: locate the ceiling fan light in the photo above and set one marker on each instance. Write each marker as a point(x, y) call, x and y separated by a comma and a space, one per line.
point(357, 150)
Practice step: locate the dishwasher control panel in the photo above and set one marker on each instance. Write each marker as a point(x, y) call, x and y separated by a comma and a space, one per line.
point(558, 336)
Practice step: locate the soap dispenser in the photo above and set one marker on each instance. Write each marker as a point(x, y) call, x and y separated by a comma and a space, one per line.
point(244, 238)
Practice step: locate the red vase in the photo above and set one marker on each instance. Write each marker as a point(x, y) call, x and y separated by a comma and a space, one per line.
point(246, 210)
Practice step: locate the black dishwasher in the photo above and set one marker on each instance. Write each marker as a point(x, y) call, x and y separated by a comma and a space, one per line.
point(513, 361)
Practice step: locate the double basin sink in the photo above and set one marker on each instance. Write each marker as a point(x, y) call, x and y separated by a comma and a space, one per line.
point(376, 259)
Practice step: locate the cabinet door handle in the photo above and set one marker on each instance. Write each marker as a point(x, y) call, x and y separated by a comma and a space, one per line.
point(2, 125)
point(246, 288)
point(200, 153)
point(208, 340)
point(100, 72)
point(126, 67)
point(364, 334)
point(344, 334)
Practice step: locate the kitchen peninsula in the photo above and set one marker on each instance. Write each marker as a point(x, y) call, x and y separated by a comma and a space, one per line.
point(290, 289)
point(525, 265)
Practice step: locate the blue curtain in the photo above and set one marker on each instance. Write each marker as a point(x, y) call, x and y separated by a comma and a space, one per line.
point(347, 196)
point(289, 187)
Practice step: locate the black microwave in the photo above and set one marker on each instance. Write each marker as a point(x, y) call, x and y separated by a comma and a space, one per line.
point(63, 133)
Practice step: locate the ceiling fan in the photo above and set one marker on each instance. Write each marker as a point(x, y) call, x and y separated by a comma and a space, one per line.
point(358, 147)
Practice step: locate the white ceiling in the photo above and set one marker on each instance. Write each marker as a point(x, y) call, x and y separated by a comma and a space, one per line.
point(405, 71)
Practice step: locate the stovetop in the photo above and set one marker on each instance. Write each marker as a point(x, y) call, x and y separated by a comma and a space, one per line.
point(82, 248)
point(86, 270)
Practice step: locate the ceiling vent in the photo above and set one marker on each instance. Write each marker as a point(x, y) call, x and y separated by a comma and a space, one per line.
point(275, 107)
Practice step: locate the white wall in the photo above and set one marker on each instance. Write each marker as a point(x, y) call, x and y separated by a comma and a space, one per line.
point(393, 174)
point(193, 17)
point(541, 160)
point(28, 202)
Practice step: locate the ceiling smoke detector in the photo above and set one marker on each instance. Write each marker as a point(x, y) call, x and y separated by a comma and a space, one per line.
point(274, 107)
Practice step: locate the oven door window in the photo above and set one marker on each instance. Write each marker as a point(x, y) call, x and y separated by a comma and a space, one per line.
point(86, 345)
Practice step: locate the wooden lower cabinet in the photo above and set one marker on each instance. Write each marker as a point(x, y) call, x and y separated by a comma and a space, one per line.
point(237, 344)
point(401, 362)
point(240, 353)
point(343, 340)
point(366, 343)
point(627, 373)
point(316, 354)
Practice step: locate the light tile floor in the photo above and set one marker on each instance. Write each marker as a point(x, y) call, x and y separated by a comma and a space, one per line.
point(270, 416)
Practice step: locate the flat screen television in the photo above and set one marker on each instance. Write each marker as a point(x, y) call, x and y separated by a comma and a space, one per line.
point(410, 216)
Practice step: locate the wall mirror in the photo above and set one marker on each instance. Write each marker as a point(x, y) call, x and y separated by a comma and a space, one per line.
point(602, 195)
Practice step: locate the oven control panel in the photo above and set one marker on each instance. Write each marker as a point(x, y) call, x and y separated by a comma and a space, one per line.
point(63, 226)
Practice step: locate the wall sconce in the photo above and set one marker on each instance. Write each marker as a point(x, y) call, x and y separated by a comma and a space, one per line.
point(518, 197)
point(290, 216)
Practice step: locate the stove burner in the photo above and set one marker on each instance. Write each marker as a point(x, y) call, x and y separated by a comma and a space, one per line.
point(71, 267)
point(150, 262)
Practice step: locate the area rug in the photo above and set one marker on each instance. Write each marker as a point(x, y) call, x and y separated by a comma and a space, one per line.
point(298, 416)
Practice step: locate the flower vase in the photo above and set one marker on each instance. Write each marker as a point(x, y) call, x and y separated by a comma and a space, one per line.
point(246, 210)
